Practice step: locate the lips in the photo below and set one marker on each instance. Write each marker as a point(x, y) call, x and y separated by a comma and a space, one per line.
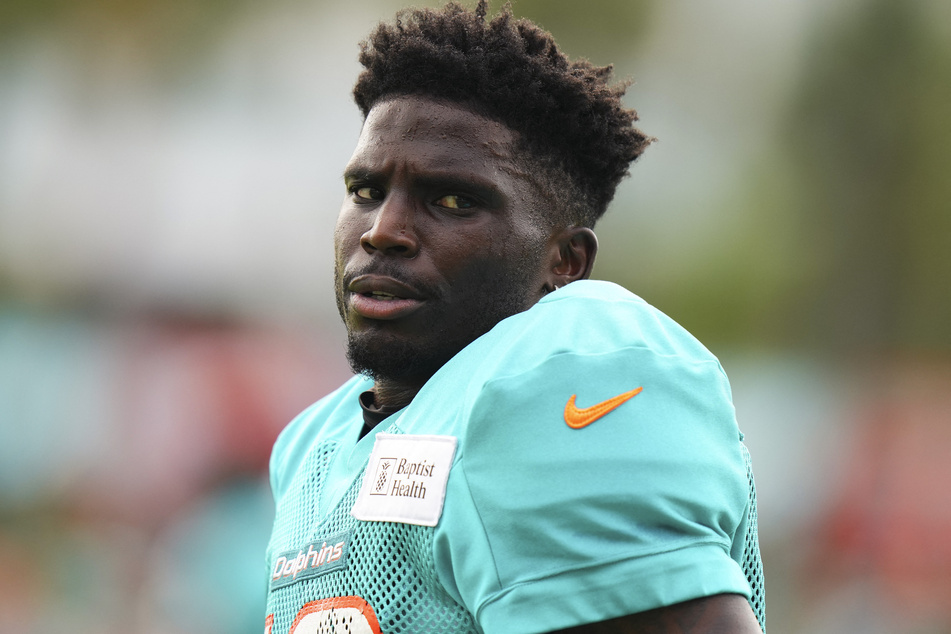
point(381, 297)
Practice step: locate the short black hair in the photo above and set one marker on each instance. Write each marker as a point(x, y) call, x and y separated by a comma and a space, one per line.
point(567, 115)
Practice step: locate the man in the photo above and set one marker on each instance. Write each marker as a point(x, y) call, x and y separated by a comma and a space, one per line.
point(523, 449)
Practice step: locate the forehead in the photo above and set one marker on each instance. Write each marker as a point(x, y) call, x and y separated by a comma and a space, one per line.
point(433, 135)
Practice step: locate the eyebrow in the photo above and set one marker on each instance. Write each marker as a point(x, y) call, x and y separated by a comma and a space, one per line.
point(360, 173)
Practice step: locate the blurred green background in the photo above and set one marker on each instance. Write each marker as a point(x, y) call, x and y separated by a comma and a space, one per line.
point(169, 178)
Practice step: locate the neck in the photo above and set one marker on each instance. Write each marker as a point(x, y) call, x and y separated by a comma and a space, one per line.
point(393, 395)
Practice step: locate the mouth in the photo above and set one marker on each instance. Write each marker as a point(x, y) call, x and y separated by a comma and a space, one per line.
point(381, 295)
point(383, 298)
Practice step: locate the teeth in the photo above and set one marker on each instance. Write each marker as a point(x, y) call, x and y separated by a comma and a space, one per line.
point(382, 295)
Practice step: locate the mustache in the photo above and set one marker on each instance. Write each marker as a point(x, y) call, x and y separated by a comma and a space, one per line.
point(392, 270)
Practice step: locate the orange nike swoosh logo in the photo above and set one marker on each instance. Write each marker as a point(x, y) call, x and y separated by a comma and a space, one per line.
point(578, 418)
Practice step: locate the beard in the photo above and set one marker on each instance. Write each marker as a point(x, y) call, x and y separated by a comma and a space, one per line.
point(487, 294)
point(401, 360)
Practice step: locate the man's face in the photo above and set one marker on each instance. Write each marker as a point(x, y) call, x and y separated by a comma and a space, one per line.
point(436, 240)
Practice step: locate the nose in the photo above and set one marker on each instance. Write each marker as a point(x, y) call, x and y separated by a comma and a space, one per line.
point(392, 232)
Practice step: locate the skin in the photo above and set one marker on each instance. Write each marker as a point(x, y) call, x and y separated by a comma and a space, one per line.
point(440, 236)
point(718, 614)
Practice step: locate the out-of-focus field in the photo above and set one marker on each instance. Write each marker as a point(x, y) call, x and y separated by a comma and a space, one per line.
point(169, 178)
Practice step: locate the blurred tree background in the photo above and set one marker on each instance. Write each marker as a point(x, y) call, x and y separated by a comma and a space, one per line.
point(169, 176)
point(871, 142)
point(839, 226)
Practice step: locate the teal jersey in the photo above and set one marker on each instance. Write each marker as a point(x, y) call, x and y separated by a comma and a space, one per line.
point(579, 462)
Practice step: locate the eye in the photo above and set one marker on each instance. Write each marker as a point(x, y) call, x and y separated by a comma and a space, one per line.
point(454, 201)
point(366, 193)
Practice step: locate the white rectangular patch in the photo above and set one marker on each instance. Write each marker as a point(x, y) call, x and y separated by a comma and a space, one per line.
point(406, 479)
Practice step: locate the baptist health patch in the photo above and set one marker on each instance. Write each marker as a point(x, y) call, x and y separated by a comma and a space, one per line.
point(405, 480)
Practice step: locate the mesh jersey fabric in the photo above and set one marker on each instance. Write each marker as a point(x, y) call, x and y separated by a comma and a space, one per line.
point(544, 526)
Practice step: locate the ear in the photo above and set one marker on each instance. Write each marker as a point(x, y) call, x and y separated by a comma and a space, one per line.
point(574, 258)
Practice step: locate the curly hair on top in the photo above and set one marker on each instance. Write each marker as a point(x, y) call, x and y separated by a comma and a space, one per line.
point(567, 115)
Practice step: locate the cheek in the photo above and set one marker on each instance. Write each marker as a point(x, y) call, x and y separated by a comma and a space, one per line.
point(347, 233)
point(519, 245)
point(488, 273)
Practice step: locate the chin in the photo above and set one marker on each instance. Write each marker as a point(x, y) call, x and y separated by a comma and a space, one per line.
point(385, 358)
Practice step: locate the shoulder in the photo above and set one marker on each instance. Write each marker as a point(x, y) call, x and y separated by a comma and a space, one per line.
point(591, 339)
point(325, 420)
point(592, 377)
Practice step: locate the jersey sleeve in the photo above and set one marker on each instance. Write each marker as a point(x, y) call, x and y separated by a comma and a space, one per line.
point(635, 510)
